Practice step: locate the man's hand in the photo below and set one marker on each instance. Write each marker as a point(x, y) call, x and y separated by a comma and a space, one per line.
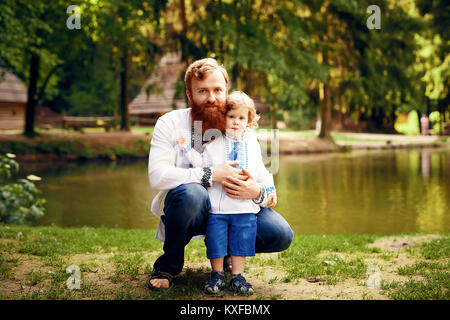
point(242, 189)
point(225, 170)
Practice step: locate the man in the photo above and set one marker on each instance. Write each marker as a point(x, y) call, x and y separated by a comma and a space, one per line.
point(183, 204)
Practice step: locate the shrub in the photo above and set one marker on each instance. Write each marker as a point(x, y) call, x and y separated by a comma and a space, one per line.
point(18, 201)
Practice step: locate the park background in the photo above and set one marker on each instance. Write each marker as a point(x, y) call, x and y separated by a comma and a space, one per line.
point(360, 180)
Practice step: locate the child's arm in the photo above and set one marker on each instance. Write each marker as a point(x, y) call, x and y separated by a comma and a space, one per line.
point(197, 159)
point(272, 200)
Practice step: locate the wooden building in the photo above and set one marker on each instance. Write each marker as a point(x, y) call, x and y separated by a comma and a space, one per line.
point(146, 109)
point(13, 99)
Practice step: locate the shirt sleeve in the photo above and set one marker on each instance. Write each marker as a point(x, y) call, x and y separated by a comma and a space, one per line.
point(263, 177)
point(162, 172)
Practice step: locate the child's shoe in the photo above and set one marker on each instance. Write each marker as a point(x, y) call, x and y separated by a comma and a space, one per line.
point(215, 283)
point(238, 284)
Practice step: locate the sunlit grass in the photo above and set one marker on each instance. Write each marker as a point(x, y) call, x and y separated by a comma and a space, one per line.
point(115, 264)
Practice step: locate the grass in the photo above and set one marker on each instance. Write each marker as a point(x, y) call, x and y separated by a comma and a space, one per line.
point(135, 129)
point(433, 274)
point(73, 148)
point(115, 263)
point(342, 137)
point(337, 136)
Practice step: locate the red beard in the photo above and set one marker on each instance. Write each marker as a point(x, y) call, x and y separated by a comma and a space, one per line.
point(212, 117)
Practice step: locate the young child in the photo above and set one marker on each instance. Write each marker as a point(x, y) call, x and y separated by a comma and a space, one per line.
point(232, 222)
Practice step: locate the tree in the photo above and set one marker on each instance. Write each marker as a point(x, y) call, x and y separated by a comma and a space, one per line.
point(29, 47)
point(131, 29)
point(371, 71)
point(263, 45)
point(434, 54)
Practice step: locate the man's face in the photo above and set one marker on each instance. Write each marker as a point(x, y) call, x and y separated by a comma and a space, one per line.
point(209, 94)
point(236, 122)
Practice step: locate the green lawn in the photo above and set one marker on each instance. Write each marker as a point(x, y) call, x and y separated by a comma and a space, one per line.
point(115, 263)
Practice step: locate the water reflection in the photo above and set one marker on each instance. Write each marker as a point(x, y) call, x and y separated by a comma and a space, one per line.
point(383, 192)
point(108, 194)
point(365, 192)
point(426, 162)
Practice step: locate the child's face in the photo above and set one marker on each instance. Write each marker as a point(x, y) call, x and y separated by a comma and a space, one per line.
point(236, 122)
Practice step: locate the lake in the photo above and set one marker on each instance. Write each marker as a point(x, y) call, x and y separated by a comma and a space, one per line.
point(357, 192)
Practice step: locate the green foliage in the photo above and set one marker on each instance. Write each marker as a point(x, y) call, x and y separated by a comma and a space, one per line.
point(7, 166)
point(18, 201)
point(411, 127)
point(435, 118)
point(281, 51)
point(434, 48)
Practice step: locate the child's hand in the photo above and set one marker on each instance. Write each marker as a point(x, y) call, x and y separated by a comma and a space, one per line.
point(181, 141)
point(272, 200)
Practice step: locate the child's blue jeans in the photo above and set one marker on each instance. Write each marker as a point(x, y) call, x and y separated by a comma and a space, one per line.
point(237, 232)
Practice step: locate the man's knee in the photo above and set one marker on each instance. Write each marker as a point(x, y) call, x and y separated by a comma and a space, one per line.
point(189, 193)
point(280, 239)
point(188, 198)
point(285, 239)
point(274, 233)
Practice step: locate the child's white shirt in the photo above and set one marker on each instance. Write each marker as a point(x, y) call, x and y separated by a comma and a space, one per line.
point(248, 153)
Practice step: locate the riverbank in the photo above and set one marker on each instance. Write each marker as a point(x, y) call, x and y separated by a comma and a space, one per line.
point(298, 142)
point(115, 263)
point(68, 145)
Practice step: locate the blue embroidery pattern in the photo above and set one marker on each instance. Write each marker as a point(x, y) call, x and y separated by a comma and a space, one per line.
point(236, 149)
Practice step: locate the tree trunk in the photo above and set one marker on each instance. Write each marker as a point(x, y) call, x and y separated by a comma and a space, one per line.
point(325, 107)
point(30, 110)
point(183, 35)
point(273, 113)
point(441, 109)
point(419, 116)
point(325, 113)
point(124, 84)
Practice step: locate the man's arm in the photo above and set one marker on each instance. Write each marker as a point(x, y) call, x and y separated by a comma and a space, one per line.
point(162, 172)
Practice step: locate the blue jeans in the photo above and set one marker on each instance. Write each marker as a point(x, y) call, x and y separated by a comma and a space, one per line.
point(230, 233)
point(186, 210)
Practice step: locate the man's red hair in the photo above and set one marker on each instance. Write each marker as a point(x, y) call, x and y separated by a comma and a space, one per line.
point(200, 68)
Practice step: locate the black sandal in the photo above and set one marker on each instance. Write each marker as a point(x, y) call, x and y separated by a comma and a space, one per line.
point(159, 275)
